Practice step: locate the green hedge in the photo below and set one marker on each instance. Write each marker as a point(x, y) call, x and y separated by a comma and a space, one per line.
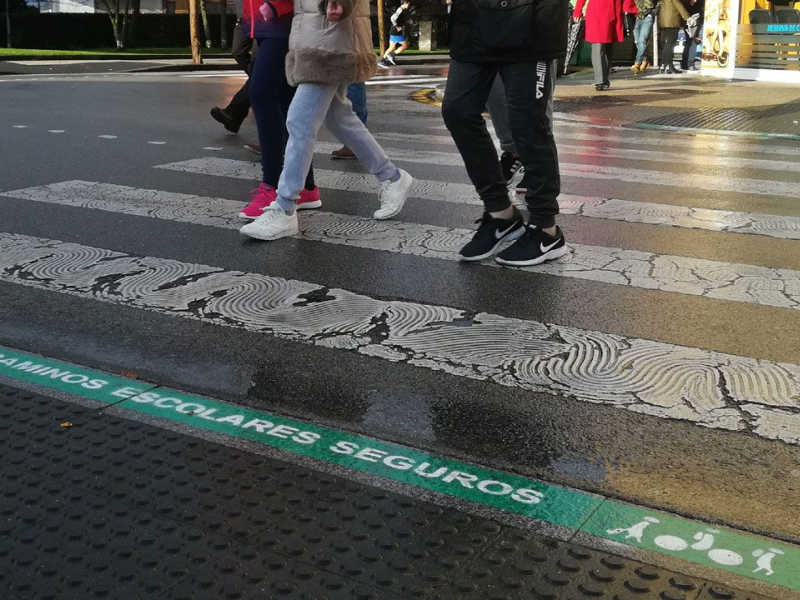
point(65, 31)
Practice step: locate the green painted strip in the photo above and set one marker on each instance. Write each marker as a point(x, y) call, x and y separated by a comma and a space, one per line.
point(746, 555)
point(504, 491)
point(750, 556)
point(55, 375)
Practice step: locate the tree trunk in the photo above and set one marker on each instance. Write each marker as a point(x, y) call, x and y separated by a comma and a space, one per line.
point(206, 28)
point(136, 10)
point(381, 28)
point(8, 24)
point(223, 24)
point(197, 57)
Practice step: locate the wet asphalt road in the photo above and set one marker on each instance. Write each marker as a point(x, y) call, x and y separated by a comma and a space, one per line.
point(737, 478)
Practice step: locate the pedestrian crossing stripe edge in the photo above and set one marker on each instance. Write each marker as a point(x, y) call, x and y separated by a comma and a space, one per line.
point(749, 284)
point(613, 524)
point(587, 206)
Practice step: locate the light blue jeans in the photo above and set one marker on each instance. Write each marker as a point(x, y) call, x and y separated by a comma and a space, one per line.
point(641, 33)
point(313, 104)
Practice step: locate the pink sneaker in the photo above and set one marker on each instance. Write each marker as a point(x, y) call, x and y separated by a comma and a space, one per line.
point(309, 199)
point(263, 196)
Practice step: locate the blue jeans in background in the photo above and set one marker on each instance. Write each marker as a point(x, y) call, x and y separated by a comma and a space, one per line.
point(357, 94)
point(641, 33)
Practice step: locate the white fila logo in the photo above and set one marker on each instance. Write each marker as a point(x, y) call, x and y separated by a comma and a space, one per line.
point(541, 76)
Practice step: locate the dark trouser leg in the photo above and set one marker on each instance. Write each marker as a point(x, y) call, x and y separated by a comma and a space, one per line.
point(529, 92)
point(239, 106)
point(270, 95)
point(467, 91)
point(241, 49)
point(601, 62)
point(670, 38)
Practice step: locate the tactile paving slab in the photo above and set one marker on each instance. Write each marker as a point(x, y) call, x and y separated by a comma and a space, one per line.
point(112, 508)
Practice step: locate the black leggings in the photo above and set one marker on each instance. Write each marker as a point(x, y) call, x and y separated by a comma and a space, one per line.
point(271, 95)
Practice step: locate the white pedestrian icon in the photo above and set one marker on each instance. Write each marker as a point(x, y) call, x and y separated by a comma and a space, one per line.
point(634, 532)
point(764, 562)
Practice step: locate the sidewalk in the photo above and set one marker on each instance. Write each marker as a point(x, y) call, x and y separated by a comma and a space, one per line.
point(94, 504)
point(683, 101)
point(30, 66)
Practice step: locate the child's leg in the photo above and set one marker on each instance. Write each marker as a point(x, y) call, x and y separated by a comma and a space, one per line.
point(267, 88)
point(306, 114)
point(342, 122)
point(390, 49)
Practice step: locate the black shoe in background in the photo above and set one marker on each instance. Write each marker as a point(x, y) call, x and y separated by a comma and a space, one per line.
point(225, 117)
point(510, 164)
point(491, 234)
point(533, 248)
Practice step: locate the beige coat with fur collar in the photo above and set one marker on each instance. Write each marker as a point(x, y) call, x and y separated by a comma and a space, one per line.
point(324, 52)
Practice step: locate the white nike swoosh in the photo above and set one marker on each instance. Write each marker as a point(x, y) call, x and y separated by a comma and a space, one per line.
point(546, 249)
point(499, 235)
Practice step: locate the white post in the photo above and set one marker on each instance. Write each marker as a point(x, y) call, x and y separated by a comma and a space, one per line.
point(655, 42)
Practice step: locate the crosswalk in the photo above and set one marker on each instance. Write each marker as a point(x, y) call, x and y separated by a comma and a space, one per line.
point(703, 386)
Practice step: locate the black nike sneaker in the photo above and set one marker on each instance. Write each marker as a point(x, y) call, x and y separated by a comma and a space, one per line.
point(533, 248)
point(491, 234)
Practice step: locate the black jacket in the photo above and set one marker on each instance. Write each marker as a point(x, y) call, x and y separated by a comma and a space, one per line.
point(508, 31)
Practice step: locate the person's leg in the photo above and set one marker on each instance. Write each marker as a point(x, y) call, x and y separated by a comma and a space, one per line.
point(342, 122)
point(466, 94)
point(608, 57)
point(645, 29)
point(403, 47)
point(389, 50)
point(306, 114)
point(241, 48)
point(597, 64)
point(496, 105)
point(357, 94)
point(668, 47)
point(467, 90)
point(268, 91)
point(239, 106)
point(529, 91)
point(637, 40)
point(348, 128)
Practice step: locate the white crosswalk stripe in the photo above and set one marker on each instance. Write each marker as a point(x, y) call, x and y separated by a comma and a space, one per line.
point(627, 154)
point(676, 274)
point(708, 388)
point(765, 187)
point(602, 208)
point(611, 135)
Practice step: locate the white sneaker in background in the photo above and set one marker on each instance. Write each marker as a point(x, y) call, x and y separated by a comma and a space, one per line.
point(273, 224)
point(393, 196)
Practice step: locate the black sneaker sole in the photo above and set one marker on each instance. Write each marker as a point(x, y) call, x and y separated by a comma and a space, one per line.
point(517, 233)
point(552, 255)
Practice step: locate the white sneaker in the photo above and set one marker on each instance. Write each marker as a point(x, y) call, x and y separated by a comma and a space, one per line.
point(273, 224)
point(393, 196)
